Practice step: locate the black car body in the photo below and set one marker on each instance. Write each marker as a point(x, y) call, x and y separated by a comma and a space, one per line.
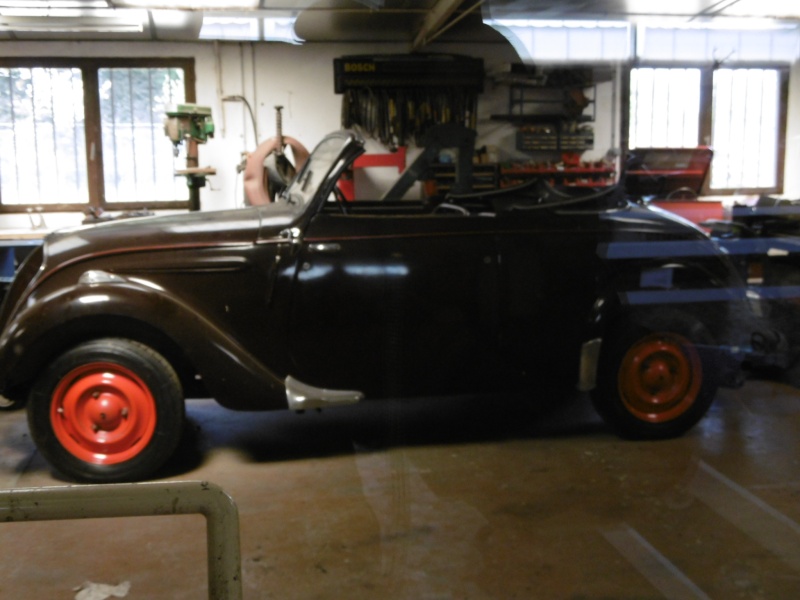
point(314, 301)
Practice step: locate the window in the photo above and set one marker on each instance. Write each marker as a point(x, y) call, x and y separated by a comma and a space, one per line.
point(665, 108)
point(42, 142)
point(77, 134)
point(745, 129)
point(739, 112)
point(137, 161)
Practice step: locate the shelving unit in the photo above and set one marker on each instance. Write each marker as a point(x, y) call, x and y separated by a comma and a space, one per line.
point(484, 177)
point(580, 176)
point(557, 141)
point(553, 111)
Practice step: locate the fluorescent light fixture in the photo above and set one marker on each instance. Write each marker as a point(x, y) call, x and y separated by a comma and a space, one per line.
point(553, 23)
point(176, 24)
point(170, 18)
point(778, 9)
point(281, 29)
point(254, 27)
point(53, 12)
point(72, 20)
point(566, 41)
point(229, 28)
point(191, 4)
point(69, 27)
point(716, 24)
point(53, 4)
point(777, 44)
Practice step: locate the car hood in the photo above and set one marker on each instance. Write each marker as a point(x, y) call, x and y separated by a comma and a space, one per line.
point(171, 232)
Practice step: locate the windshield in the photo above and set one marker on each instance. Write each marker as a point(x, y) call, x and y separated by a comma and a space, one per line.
point(314, 173)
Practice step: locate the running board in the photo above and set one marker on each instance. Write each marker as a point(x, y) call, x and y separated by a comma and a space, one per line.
point(302, 396)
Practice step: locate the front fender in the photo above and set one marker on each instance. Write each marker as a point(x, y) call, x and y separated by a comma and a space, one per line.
point(726, 328)
point(48, 325)
point(709, 292)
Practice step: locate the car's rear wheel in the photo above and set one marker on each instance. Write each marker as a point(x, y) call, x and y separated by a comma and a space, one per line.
point(107, 410)
point(653, 381)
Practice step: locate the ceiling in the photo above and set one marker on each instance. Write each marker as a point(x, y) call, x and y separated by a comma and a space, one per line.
point(417, 22)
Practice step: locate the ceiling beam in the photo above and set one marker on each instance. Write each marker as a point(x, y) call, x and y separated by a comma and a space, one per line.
point(436, 17)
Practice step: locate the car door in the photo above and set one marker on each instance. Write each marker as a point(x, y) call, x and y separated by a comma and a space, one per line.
point(548, 285)
point(392, 304)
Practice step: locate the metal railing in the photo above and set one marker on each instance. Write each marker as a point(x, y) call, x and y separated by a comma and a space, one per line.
point(141, 500)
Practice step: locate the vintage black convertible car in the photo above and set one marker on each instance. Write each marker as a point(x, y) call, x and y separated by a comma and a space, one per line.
point(313, 302)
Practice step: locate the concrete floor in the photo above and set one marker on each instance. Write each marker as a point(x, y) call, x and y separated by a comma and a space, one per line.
point(448, 500)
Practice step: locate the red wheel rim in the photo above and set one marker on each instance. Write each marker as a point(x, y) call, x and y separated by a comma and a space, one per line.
point(660, 377)
point(103, 413)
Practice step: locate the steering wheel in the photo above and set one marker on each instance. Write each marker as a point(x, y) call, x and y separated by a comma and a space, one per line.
point(683, 193)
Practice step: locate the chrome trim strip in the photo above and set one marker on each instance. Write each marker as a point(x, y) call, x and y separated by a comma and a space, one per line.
point(590, 357)
point(302, 396)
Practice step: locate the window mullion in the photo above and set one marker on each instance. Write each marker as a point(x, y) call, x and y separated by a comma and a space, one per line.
point(35, 123)
point(150, 94)
point(705, 128)
point(783, 103)
point(76, 131)
point(94, 145)
point(132, 117)
point(706, 117)
point(14, 128)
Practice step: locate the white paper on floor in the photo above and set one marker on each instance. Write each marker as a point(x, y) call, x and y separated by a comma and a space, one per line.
point(101, 591)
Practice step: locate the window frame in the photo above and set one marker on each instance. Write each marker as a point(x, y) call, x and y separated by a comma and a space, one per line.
point(89, 68)
point(704, 137)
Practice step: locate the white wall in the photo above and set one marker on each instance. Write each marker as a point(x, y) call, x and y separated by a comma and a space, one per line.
point(300, 78)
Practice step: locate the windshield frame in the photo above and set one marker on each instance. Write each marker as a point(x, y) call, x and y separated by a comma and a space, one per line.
point(322, 169)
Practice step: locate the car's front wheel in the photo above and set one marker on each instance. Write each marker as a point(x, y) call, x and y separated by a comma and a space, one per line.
point(108, 410)
point(653, 381)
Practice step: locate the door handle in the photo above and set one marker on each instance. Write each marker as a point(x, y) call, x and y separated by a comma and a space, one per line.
point(292, 235)
point(328, 248)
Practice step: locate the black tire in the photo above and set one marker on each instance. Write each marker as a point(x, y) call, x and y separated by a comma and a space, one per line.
point(108, 410)
point(655, 379)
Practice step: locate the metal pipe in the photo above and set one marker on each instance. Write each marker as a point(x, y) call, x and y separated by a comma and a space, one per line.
point(422, 37)
point(142, 500)
point(242, 99)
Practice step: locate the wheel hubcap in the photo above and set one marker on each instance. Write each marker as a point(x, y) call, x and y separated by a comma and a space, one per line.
point(103, 413)
point(660, 377)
